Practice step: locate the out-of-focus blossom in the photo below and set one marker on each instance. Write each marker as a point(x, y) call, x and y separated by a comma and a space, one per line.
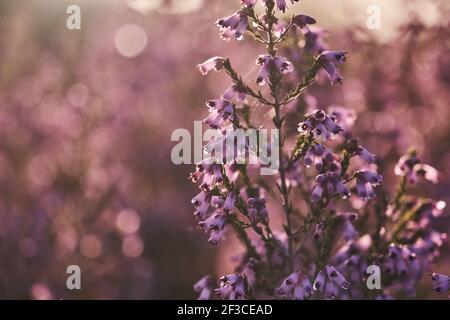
point(365, 181)
point(204, 287)
point(257, 210)
point(344, 117)
point(234, 93)
point(302, 21)
point(278, 25)
point(331, 61)
point(364, 154)
point(411, 167)
point(314, 42)
point(441, 283)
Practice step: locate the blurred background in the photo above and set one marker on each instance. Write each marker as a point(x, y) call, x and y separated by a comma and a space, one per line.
point(86, 118)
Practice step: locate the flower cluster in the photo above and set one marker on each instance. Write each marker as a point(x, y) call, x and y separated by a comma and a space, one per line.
point(331, 241)
point(324, 127)
point(410, 167)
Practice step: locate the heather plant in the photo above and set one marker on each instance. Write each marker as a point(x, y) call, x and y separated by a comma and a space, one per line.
point(336, 221)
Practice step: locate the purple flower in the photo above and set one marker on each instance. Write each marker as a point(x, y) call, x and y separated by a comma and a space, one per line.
point(402, 263)
point(314, 42)
point(302, 21)
point(320, 125)
point(317, 155)
point(348, 230)
point(204, 287)
point(201, 202)
point(331, 282)
point(232, 287)
point(282, 65)
point(441, 283)
point(257, 210)
point(428, 244)
point(215, 63)
point(411, 167)
point(220, 110)
point(297, 286)
point(331, 182)
point(359, 246)
point(331, 60)
point(211, 173)
point(229, 203)
point(344, 117)
point(234, 25)
point(355, 267)
point(365, 181)
point(215, 224)
point(364, 154)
